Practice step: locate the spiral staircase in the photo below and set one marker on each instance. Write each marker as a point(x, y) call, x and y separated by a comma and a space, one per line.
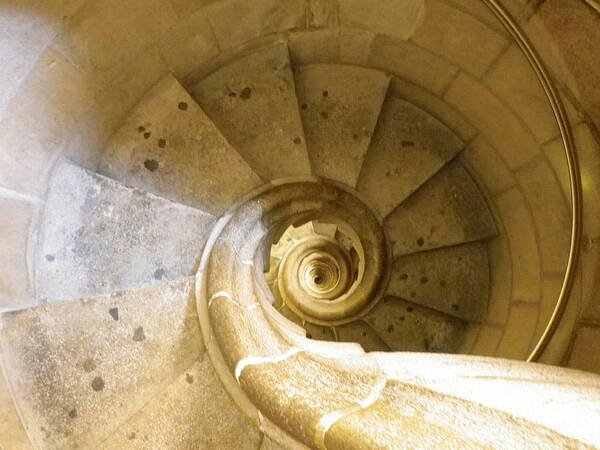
point(301, 225)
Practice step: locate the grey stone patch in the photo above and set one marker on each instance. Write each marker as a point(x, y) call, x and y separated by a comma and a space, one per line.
point(138, 334)
point(408, 327)
point(447, 210)
point(73, 355)
point(262, 118)
point(177, 152)
point(392, 171)
point(342, 108)
point(114, 313)
point(452, 280)
point(107, 237)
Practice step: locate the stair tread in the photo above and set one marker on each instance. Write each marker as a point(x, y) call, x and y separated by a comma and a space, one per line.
point(452, 280)
point(409, 327)
point(193, 412)
point(80, 369)
point(98, 236)
point(339, 105)
point(365, 335)
point(408, 147)
point(449, 209)
point(168, 146)
point(253, 102)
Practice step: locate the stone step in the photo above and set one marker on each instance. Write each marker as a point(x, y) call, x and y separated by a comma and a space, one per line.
point(98, 236)
point(409, 146)
point(409, 327)
point(449, 209)
point(168, 146)
point(253, 102)
point(79, 370)
point(339, 106)
point(452, 280)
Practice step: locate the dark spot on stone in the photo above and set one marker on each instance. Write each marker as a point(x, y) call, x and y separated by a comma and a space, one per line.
point(151, 164)
point(304, 106)
point(189, 379)
point(50, 258)
point(401, 318)
point(390, 328)
point(138, 334)
point(324, 115)
point(324, 331)
point(455, 306)
point(246, 93)
point(89, 365)
point(404, 276)
point(408, 144)
point(426, 344)
point(114, 313)
point(183, 106)
point(162, 143)
point(232, 94)
point(409, 308)
point(131, 436)
point(297, 141)
point(442, 283)
point(98, 384)
point(413, 294)
point(460, 258)
point(356, 137)
point(147, 135)
point(420, 242)
point(159, 274)
point(309, 336)
point(73, 413)
point(424, 280)
point(325, 93)
point(141, 129)
point(364, 333)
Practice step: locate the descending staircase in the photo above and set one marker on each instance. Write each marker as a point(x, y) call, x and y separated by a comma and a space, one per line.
point(311, 195)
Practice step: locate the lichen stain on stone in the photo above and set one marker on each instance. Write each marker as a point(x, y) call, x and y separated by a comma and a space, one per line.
point(188, 378)
point(246, 93)
point(89, 365)
point(97, 384)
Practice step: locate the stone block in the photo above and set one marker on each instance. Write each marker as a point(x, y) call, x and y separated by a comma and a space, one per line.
point(584, 352)
point(487, 341)
point(484, 160)
point(500, 280)
point(519, 331)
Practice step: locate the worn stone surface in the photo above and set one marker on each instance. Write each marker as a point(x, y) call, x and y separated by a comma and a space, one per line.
point(98, 236)
point(253, 103)
point(584, 352)
point(519, 331)
point(408, 147)
point(487, 340)
point(361, 332)
point(412, 63)
point(193, 412)
point(409, 327)
point(397, 18)
point(12, 432)
point(501, 269)
point(447, 210)
point(452, 280)
point(168, 146)
point(339, 106)
point(15, 285)
point(459, 37)
point(80, 369)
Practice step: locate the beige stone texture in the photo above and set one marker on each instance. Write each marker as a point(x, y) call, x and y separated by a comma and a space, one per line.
point(447, 210)
point(105, 34)
point(253, 103)
point(520, 232)
point(434, 106)
point(459, 37)
point(168, 146)
point(186, 8)
point(192, 412)
point(39, 119)
point(269, 444)
point(500, 280)
point(496, 122)
point(188, 43)
point(16, 218)
point(80, 369)
point(339, 106)
point(484, 161)
point(590, 268)
point(412, 63)
point(322, 13)
point(479, 11)
point(409, 146)
point(361, 332)
point(550, 214)
point(519, 331)
point(513, 80)
point(396, 18)
point(470, 336)
point(12, 432)
point(584, 353)
point(452, 280)
point(487, 341)
point(259, 18)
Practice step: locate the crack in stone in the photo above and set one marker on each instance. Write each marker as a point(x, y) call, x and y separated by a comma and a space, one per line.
point(256, 360)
